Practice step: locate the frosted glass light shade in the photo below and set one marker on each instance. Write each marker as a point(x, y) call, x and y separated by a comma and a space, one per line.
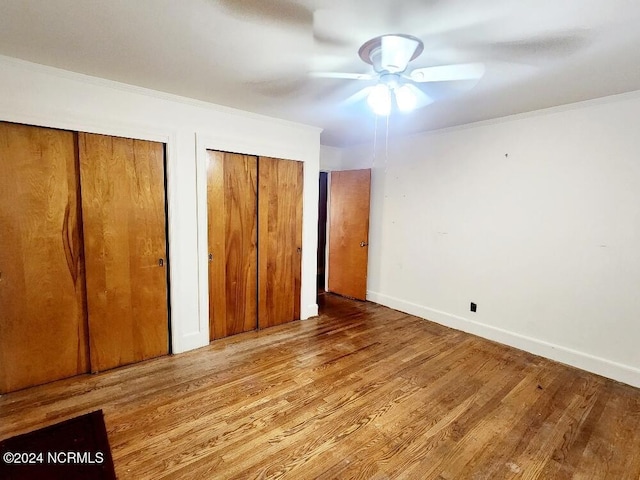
point(405, 98)
point(380, 99)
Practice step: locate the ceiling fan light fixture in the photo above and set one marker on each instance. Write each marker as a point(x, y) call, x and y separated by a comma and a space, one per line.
point(405, 98)
point(391, 56)
point(379, 99)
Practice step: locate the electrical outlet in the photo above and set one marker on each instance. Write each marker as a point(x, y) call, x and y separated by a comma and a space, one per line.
point(473, 307)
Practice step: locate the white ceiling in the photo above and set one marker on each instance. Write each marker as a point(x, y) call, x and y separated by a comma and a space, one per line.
point(256, 54)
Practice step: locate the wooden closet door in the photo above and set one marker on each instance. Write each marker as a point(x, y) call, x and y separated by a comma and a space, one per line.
point(279, 241)
point(43, 333)
point(233, 257)
point(123, 205)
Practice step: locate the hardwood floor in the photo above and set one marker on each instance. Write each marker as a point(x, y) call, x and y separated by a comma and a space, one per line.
point(360, 392)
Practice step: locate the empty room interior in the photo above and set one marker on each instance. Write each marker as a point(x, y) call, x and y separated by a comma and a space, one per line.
point(310, 239)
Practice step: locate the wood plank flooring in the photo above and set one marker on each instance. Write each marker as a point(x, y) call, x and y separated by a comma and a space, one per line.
point(360, 392)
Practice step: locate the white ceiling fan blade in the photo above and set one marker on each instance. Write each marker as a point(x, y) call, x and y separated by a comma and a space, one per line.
point(422, 99)
point(341, 75)
point(397, 52)
point(357, 97)
point(446, 73)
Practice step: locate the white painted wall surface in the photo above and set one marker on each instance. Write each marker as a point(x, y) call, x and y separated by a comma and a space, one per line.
point(330, 158)
point(38, 95)
point(536, 218)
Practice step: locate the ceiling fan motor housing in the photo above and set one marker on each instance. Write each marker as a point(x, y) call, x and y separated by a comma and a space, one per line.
point(376, 61)
point(391, 53)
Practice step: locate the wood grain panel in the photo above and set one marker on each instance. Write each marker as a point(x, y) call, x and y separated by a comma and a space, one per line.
point(349, 232)
point(123, 203)
point(43, 333)
point(362, 392)
point(279, 240)
point(232, 202)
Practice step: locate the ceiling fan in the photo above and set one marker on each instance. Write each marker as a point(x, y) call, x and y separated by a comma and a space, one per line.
point(390, 56)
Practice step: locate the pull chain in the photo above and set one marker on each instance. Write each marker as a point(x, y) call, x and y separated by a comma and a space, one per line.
point(386, 145)
point(375, 141)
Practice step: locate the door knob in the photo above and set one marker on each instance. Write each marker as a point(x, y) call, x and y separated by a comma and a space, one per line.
point(363, 244)
point(161, 262)
point(211, 257)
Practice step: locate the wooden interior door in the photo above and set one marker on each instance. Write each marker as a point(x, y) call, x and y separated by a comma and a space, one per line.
point(349, 232)
point(123, 206)
point(43, 332)
point(279, 240)
point(232, 204)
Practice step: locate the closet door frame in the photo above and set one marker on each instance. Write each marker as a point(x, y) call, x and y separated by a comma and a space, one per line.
point(247, 146)
point(181, 336)
point(169, 139)
point(166, 139)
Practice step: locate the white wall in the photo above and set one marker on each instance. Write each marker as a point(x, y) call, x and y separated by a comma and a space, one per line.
point(38, 95)
point(330, 158)
point(536, 218)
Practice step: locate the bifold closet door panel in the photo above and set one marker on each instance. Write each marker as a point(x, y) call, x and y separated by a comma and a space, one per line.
point(279, 240)
point(43, 332)
point(123, 207)
point(232, 200)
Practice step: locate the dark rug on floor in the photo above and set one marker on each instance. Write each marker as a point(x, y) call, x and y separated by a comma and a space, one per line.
point(74, 449)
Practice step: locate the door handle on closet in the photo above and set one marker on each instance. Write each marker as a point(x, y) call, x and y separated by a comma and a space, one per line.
point(161, 262)
point(211, 257)
point(363, 244)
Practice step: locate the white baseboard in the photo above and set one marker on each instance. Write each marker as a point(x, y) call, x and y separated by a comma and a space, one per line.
point(601, 366)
